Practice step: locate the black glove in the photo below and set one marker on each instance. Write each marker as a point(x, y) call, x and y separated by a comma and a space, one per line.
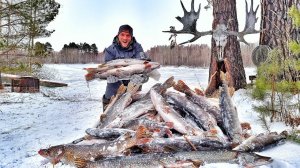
point(112, 79)
point(139, 79)
point(145, 56)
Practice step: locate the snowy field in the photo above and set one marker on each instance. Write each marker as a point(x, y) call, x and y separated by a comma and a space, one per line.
point(56, 116)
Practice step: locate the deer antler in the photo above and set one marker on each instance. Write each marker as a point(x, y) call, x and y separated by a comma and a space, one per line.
point(251, 19)
point(189, 21)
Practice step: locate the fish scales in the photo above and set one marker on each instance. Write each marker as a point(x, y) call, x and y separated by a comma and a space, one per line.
point(206, 120)
point(123, 69)
point(176, 144)
point(169, 114)
point(165, 159)
point(141, 106)
point(107, 133)
point(257, 143)
point(118, 106)
point(229, 113)
point(202, 101)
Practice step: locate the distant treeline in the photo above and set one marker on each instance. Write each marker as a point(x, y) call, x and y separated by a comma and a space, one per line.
point(190, 55)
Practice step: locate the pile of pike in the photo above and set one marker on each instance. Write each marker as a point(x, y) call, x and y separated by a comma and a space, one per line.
point(169, 126)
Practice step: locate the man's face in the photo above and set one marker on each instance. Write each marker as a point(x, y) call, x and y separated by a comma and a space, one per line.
point(124, 38)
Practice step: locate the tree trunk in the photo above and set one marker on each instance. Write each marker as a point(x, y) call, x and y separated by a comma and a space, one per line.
point(1, 85)
point(233, 65)
point(276, 23)
point(278, 29)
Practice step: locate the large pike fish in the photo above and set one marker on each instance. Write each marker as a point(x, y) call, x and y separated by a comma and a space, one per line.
point(159, 129)
point(180, 144)
point(107, 133)
point(142, 105)
point(69, 153)
point(196, 158)
point(200, 100)
point(123, 69)
point(229, 113)
point(170, 115)
point(202, 118)
point(123, 101)
point(257, 143)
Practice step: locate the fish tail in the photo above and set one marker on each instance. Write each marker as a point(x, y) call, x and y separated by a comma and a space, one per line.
point(89, 70)
point(121, 90)
point(169, 133)
point(80, 163)
point(182, 87)
point(169, 82)
point(90, 76)
point(154, 74)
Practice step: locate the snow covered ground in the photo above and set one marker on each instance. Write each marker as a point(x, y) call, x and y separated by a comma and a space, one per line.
point(55, 116)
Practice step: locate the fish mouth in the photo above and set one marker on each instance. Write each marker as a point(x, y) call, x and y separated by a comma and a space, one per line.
point(255, 160)
point(42, 152)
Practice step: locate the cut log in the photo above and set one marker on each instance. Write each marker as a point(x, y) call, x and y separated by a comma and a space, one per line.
point(43, 82)
point(48, 83)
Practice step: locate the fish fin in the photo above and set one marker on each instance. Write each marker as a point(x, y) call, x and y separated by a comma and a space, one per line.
point(147, 66)
point(142, 132)
point(144, 141)
point(154, 74)
point(169, 133)
point(89, 70)
point(132, 88)
point(146, 62)
point(169, 124)
point(213, 131)
point(182, 87)
point(102, 65)
point(80, 163)
point(199, 92)
point(169, 82)
point(90, 76)
point(196, 163)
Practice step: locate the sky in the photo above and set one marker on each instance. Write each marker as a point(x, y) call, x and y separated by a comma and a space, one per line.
point(56, 116)
point(97, 21)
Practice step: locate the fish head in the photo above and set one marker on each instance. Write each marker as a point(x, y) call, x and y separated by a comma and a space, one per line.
point(54, 154)
point(253, 160)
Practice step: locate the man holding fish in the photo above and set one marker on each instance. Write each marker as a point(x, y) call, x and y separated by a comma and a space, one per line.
point(124, 46)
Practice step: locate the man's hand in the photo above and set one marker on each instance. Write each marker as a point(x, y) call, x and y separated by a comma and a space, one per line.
point(144, 56)
point(139, 79)
point(112, 79)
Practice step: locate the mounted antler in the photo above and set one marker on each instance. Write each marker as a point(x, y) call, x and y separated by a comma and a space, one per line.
point(189, 21)
point(251, 19)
